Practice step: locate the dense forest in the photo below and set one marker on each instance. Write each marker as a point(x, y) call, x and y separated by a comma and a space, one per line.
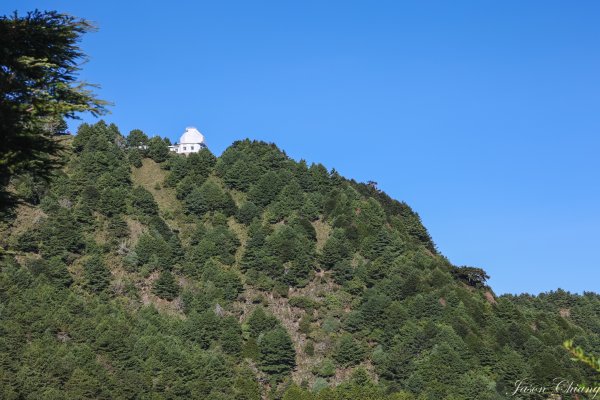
point(136, 273)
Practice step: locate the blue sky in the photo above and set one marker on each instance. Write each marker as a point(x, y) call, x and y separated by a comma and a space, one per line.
point(484, 116)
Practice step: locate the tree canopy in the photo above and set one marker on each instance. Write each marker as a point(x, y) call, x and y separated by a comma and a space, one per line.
point(39, 64)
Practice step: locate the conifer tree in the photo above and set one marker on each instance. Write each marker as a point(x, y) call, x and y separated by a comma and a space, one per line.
point(96, 274)
point(158, 150)
point(166, 286)
point(40, 62)
point(260, 322)
point(277, 354)
point(137, 139)
point(348, 351)
point(336, 249)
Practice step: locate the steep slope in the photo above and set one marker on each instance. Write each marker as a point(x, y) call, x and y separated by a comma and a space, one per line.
point(143, 274)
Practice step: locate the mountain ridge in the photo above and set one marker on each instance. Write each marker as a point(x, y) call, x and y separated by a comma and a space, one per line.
point(294, 280)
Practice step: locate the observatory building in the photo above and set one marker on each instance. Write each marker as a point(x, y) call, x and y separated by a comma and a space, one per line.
point(192, 141)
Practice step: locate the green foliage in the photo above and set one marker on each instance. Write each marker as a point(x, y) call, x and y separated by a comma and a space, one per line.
point(112, 201)
point(40, 62)
point(326, 369)
point(330, 325)
point(266, 189)
point(135, 158)
point(203, 329)
point(158, 150)
point(277, 355)
point(348, 351)
point(226, 280)
point(471, 276)
point(303, 302)
point(247, 212)
point(58, 235)
point(209, 197)
point(30, 187)
point(443, 366)
point(289, 199)
point(188, 172)
point(250, 349)
point(244, 162)
point(304, 325)
point(117, 229)
point(342, 272)
point(231, 336)
point(137, 140)
point(97, 276)
point(288, 245)
point(143, 202)
point(261, 322)
point(336, 249)
point(219, 242)
point(309, 349)
point(54, 269)
point(580, 355)
point(166, 286)
point(152, 250)
point(371, 217)
point(303, 226)
point(365, 286)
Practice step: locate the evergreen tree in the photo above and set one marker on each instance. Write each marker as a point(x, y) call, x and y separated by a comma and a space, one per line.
point(143, 202)
point(348, 351)
point(231, 336)
point(166, 286)
point(117, 228)
point(135, 158)
point(277, 354)
point(40, 60)
point(260, 322)
point(336, 249)
point(247, 212)
point(209, 197)
point(54, 268)
point(158, 150)
point(201, 164)
point(137, 140)
point(96, 274)
point(266, 189)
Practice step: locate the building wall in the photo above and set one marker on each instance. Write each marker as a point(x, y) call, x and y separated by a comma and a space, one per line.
point(187, 148)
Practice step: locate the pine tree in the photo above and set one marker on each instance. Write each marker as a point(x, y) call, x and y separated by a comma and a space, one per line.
point(40, 61)
point(231, 337)
point(260, 322)
point(137, 140)
point(277, 354)
point(209, 197)
point(247, 212)
point(143, 202)
point(166, 286)
point(96, 274)
point(348, 351)
point(336, 249)
point(158, 149)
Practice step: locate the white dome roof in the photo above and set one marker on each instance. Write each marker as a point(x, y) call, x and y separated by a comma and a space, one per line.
point(191, 135)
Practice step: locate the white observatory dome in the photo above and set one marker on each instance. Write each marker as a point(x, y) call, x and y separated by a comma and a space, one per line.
point(191, 135)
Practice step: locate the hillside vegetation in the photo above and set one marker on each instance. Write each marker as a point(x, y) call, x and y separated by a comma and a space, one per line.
point(140, 274)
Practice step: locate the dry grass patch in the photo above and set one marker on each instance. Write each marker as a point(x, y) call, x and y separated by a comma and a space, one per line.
point(323, 230)
point(151, 177)
point(26, 218)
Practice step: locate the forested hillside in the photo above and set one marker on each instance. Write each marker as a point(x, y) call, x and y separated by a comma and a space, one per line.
point(140, 274)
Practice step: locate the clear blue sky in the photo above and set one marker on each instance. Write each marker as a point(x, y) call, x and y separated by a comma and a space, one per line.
point(484, 116)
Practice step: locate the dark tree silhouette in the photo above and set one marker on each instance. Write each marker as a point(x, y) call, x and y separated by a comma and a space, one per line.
point(39, 63)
